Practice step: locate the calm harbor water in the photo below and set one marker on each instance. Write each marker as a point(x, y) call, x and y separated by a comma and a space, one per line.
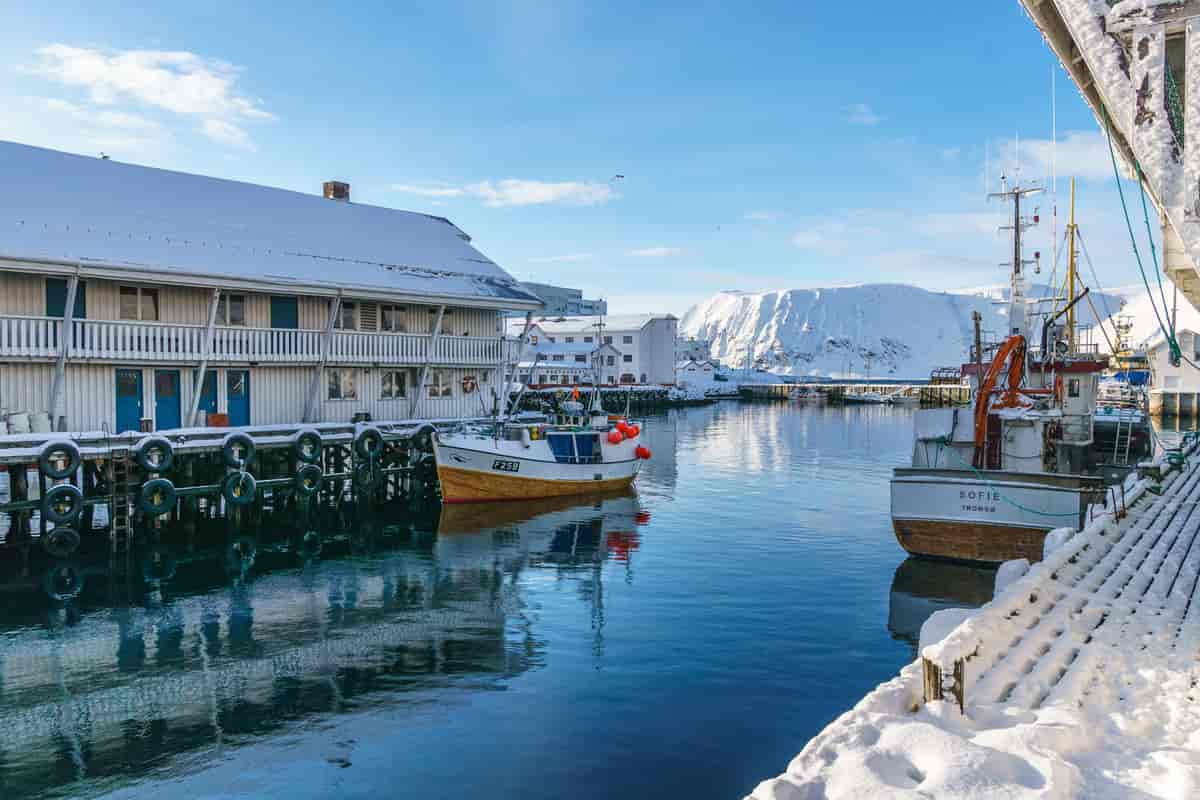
point(686, 638)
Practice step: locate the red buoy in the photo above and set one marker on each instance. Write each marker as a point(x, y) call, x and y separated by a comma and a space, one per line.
point(633, 431)
point(615, 437)
point(642, 452)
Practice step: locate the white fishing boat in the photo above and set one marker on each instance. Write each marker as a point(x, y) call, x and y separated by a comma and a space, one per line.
point(867, 398)
point(987, 484)
point(576, 451)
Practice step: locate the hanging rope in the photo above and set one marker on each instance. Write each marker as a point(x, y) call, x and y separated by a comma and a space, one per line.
point(1169, 334)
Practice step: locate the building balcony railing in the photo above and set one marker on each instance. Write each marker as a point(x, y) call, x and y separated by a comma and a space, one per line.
point(128, 341)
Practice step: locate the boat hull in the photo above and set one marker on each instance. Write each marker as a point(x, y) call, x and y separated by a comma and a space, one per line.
point(470, 475)
point(986, 517)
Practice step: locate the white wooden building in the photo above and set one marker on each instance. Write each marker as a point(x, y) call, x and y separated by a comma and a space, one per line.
point(195, 296)
point(644, 343)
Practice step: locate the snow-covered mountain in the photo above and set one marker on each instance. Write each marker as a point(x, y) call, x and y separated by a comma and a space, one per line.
point(884, 330)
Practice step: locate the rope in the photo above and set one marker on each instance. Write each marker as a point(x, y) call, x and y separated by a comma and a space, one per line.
point(1153, 252)
point(1169, 334)
point(942, 441)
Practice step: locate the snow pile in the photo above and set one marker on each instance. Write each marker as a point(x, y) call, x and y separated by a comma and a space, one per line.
point(1079, 680)
point(877, 330)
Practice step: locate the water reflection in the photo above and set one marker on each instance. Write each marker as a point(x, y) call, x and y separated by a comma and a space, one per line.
point(921, 587)
point(231, 636)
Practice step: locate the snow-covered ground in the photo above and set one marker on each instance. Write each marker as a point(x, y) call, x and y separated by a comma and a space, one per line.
point(1080, 679)
point(880, 330)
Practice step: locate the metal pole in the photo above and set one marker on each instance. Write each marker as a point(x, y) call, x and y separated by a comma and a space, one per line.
point(433, 339)
point(335, 306)
point(64, 340)
point(517, 361)
point(205, 352)
point(1071, 273)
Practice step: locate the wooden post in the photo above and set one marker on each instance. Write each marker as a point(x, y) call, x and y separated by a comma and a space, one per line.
point(64, 340)
point(310, 405)
point(205, 351)
point(414, 404)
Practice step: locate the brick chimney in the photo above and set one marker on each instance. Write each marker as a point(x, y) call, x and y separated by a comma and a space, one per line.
point(336, 190)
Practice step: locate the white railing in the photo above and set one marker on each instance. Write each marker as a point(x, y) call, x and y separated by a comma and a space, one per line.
point(125, 340)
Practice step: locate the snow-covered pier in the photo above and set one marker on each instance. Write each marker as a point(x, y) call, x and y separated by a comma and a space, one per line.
point(1079, 679)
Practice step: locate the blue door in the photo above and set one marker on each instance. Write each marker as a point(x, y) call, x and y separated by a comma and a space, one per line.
point(285, 312)
point(166, 399)
point(208, 393)
point(129, 400)
point(237, 383)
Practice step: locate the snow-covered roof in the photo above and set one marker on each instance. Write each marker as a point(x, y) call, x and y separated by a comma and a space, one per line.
point(590, 324)
point(111, 217)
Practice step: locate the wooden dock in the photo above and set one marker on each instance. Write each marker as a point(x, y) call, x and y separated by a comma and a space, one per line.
point(929, 395)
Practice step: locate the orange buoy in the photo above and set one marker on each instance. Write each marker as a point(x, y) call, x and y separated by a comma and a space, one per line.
point(634, 430)
point(642, 452)
point(615, 437)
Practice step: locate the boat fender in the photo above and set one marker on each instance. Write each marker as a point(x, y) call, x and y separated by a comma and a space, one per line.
point(308, 480)
point(237, 449)
point(63, 582)
point(62, 503)
point(239, 488)
point(157, 496)
point(368, 442)
point(60, 542)
point(154, 454)
point(642, 452)
point(633, 431)
point(59, 459)
point(526, 437)
point(366, 476)
point(615, 437)
point(307, 444)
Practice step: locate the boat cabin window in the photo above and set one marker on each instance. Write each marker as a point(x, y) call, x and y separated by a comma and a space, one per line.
point(1073, 387)
point(574, 448)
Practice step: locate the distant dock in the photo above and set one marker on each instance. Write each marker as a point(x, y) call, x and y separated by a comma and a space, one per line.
point(928, 394)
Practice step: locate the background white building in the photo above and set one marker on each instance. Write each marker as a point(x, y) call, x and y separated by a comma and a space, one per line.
point(643, 345)
point(1166, 376)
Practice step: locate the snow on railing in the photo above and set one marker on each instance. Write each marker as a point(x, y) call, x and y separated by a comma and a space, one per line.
point(129, 340)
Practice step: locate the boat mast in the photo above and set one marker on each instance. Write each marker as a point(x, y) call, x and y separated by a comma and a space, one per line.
point(1016, 313)
point(1071, 273)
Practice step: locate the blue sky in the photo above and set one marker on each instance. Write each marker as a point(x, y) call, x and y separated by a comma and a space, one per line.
point(774, 146)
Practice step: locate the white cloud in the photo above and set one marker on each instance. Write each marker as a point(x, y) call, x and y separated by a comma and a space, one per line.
point(1083, 154)
point(175, 83)
point(762, 216)
point(515, 192)
point(428, 191)
point(958, 223)
point(862, 114)
point(656, 252)
point(106, 118)
point(569, 258)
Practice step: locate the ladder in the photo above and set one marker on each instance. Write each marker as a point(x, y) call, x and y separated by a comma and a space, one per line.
point(1121, 445)
point(121, 521)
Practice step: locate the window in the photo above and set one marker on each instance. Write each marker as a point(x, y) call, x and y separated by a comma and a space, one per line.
point(541, 377)
point(533, 339)
point(56, 298)
point(439, 385)
point(391, 319)
point(139, 303)
point(285, 313)
point(341, 384)
point(231, 309)
point(524, 377)
point(610, 360)
point(394, 385)
point(558, 357)
point(628, 359)
point(582, 359)
point(643, 377)
point(608, 340)
point(627, 378)
point(1073, 387)
point(548, 339)
point(612, 380)
point(347, 319)
point(433, 319)
point(626, 340)
point(555, 379)
point(588, 339)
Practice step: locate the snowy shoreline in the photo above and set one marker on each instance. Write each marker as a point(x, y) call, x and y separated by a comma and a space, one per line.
point(1079, 677)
